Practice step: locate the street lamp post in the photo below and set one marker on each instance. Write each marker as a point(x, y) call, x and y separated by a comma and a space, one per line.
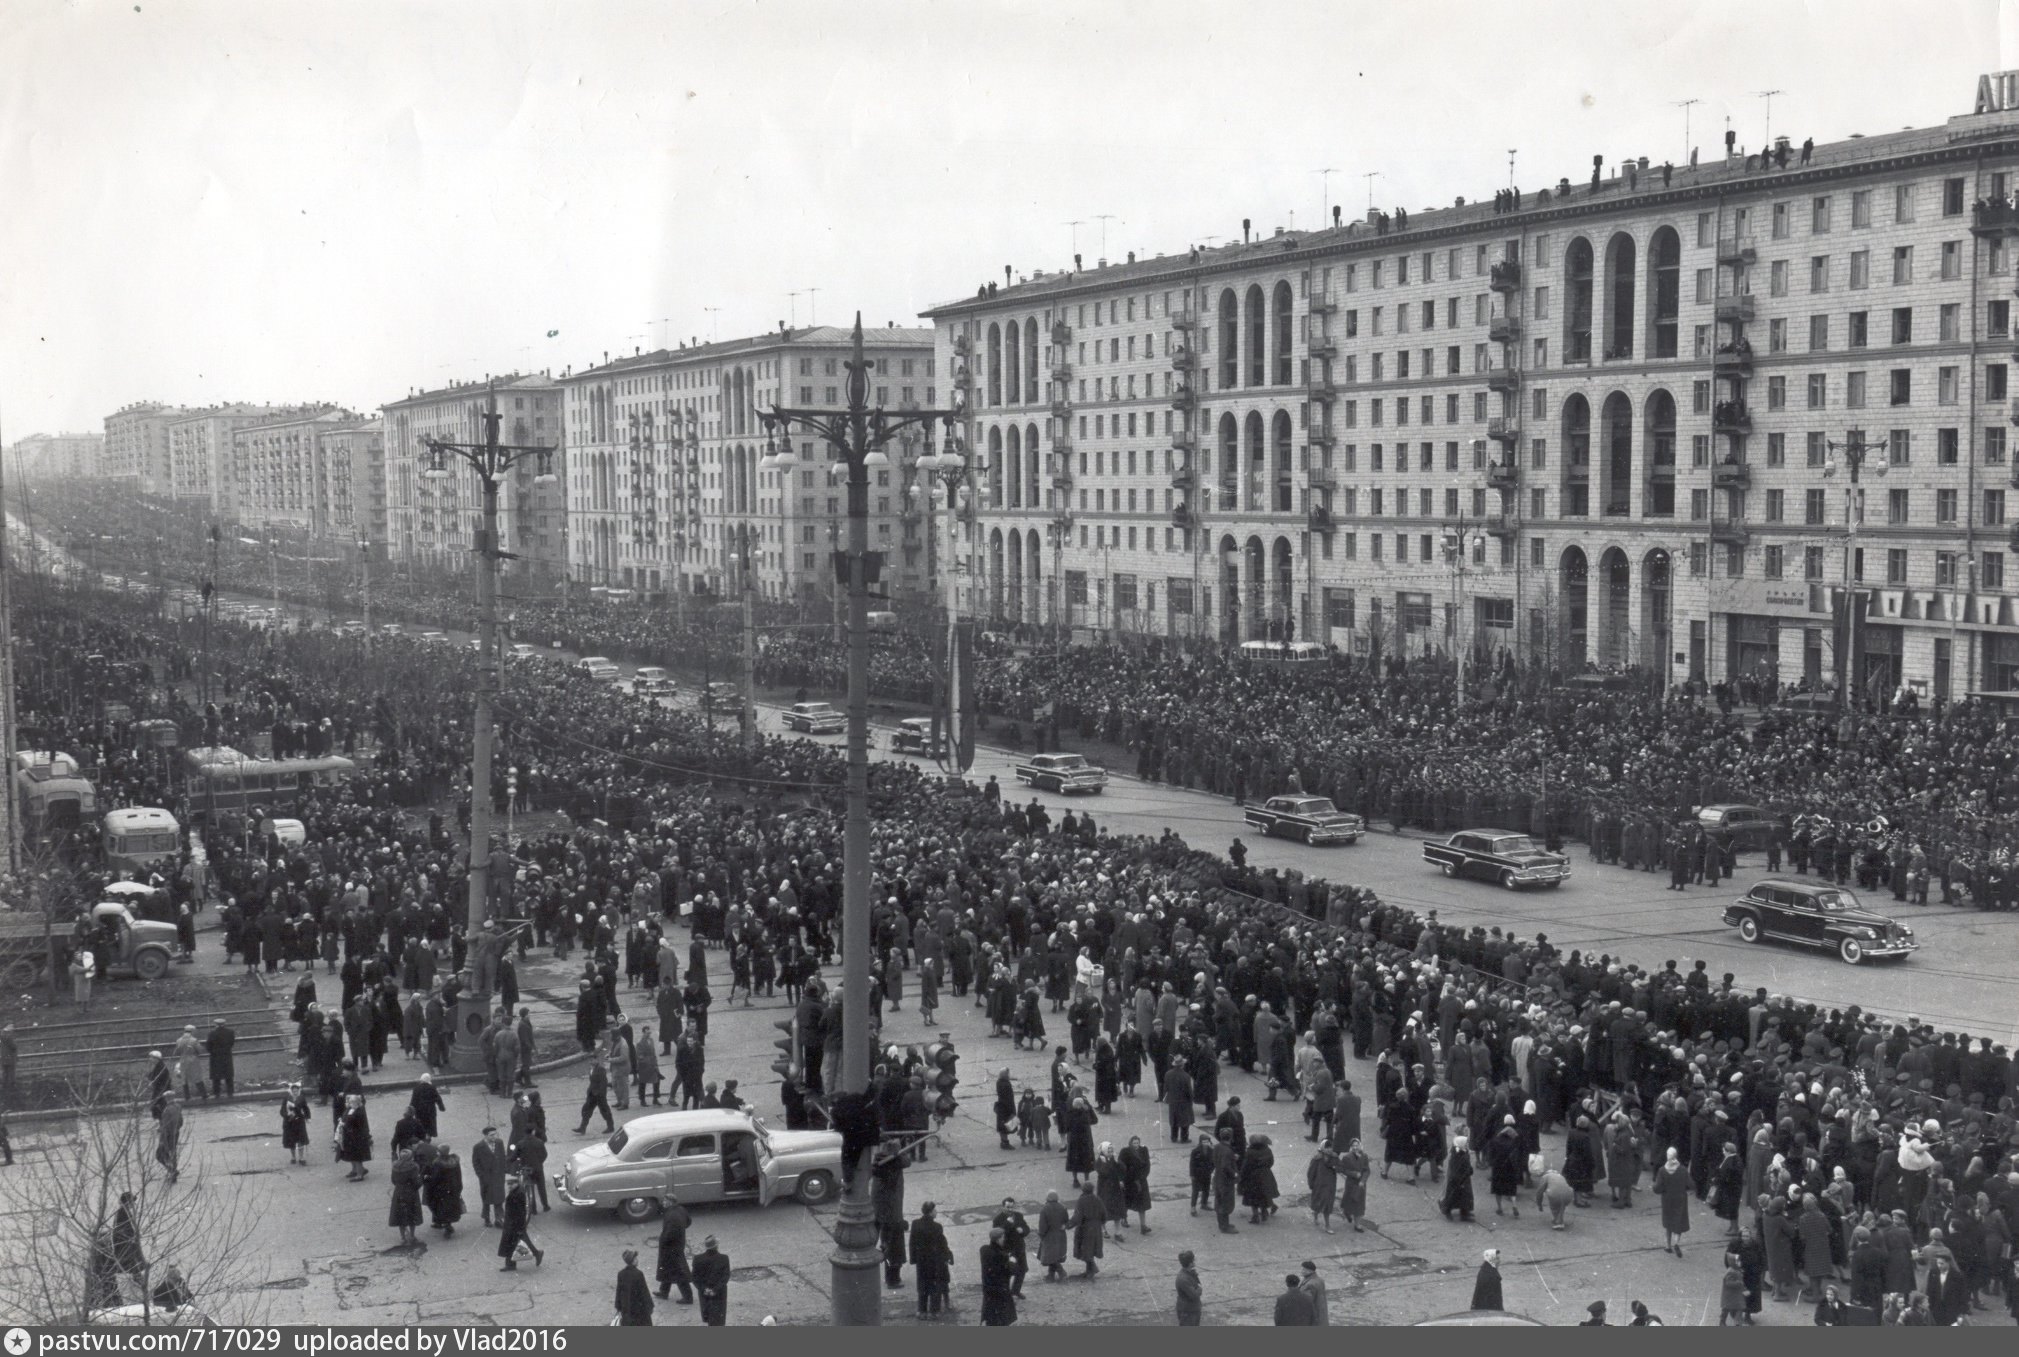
point(955, 470)
point(365, 581)
point(1849, 657)
point(492, 461)
point(746, 566)
point(1464, 536)
point(857, 437)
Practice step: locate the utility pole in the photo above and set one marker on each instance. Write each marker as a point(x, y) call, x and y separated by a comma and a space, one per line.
point(492, 461)
point(365, 578)
point(7, 728)
point(209, 614)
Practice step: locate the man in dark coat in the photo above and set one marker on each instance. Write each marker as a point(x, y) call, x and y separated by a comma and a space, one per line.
point(488, 1161)
point(516, 1218)
point(634, 1298)
point(711, 1276)
point(998, 1275)
point(223, 1068)
point(1015, 1231)
point(1486, 1287)
point(1191, 1294)
point(1293, 1304)
point(931, 1260)
point(673, 1270)
point(1226, 1176)
point(1345, 1116)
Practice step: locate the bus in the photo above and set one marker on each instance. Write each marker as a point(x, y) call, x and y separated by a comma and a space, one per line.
point(138, 838)
point(53, 797)
point(223, 782)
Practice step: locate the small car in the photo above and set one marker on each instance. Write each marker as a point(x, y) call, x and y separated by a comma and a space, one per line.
point(1818, 914)
point(651, 681)
point(914, 735)
point(1062, 773)
point(1514, 860)
point(721, 696)
point(596, 667)
point(1313, 819)
point(1749, 828)
point(433, 638)
point(350, 628)
point(814, 718)
point(522, 651)
point(704, 1155)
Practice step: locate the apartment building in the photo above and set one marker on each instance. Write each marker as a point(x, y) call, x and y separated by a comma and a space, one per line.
point(1612, 423)
point(136, 446)
point(663, 480)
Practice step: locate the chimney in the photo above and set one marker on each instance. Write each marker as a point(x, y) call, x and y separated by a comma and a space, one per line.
point(1246, 226)
point(1005, 275)
point(1132, 256)
point(1076, 263)
point(1279, 231)
point(1335, 214)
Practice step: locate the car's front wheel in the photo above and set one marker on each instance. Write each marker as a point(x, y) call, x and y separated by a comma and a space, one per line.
point(1851, 950)
point(1447, 868)
point(1749, 929)
point(1508, 880)
point(636, 1210)
point(816, 1187)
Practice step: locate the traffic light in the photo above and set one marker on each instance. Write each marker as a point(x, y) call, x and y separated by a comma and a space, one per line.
point(787, 1064)
point(941, 1075)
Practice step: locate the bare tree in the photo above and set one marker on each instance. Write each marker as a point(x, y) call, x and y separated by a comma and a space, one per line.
point(66, 1254)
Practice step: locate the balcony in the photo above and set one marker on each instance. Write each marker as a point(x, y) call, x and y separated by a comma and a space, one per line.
point(1062, 333)
point(1321, 346)
point(1185, 319)
point(1318, 518)
point(1321, 388)
point(1062, 407)
point(1730, 534)
point(1184, 478)
point(1504, 380)
point(1502, 526)
point(1731, 417)
point(1183, 359)
point(1185, 441)
point(1505, 276)
point(962, 346)
point(1995, 218)
point(1181, 516)
point(1322, 437)
point(1736, 249)
point(1062, 442)
point(1504, 429)
point(1733, 360)
point(1062, 477)
point(1062, 372)
point(1731, 476)
point(1323, 306)
point(1735, 306)
point(1318, 478)
point(1184, 398)
point(1503, 330)
point(1503, 476)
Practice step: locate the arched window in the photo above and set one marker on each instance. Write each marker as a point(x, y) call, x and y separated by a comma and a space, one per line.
point(1254, 459)
point(1577, 301)
point(1230, 340)
point(1230, 461)
point(1576, 456)
point(994, 364)
point(1016, 464)
point(995, 469)
point(1031, 360)
point(1258, 334)
point(1664, 290)
point(1013, 377)
point(1280, 334)
point(1619, 282)
point(1659, 443)
point(1033, 467)
point(1286, 489)
point(1616, 470)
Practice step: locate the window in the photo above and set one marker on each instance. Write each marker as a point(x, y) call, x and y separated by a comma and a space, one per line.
point(1542, 303)
point(1818, 391)
point(1903, 203)
point(1819, 273)
point(1700, 505)
point(1945, 506)
point(1861, 269)
point(1777, 335)
point(1819, 217)
point(1952, 197)
point(1854, 390)
point(1777, 393)
point(1994, 508)
point(1857, 329)
point(1997, 320)
point(1777, 284)
point(1896, 507)
point(1994, 445)
point(1780, 221)
point(1949, 322)
point(1812, 507)
point(1812, 563)
point(1698, 556)
point(1903, 265)
point(1946, 386)
point(1896, 565)
point(1818, 449)
point(1861, 208)
point(1776, 506)
point(1945, 447)
point(1952, 259)
point(1771, 563)
point(1777, 449)
point(1903, 325)
point(1900, 385)
point(1992, 573)
point(1819, 334)
point(1994, 381)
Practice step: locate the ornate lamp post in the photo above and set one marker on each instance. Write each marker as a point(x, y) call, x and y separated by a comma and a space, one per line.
point(1855, 452)
point(492, 461)
point(955, 470)
point(857, 437)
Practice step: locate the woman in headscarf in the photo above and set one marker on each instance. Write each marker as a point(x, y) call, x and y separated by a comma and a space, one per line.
point(1135, 1158)
point(354, 1137)
point(1623, 1148)
point(1107, 1083)
point(1054, 1237)
point(1778, 1234)
point(1322, 1177)
point(1108, 1186)
point(404, 1214)
point(1258, 1180)
point(1728, 1189)
point(1673, 1186)
point(1505, 1161)
point(1355, 1168)
point(1458, 1182)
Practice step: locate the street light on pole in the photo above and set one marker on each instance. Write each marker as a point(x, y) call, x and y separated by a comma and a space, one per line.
point(857, 437)
point(954, 469)
point(1855, 451)
point(492, 461)
point(1463, 538)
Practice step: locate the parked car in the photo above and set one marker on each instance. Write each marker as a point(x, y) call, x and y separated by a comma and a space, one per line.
point(597, 667)
point(1749, 828)
point(433, 638)
point(1062, 773)
point(707, 1155)
point(1818, 914)
point(914, 735)
point(1514, 860)
point(522, 651)
point(721, 696)
point(814, 718)
point(1314, 819)
point(651, 681)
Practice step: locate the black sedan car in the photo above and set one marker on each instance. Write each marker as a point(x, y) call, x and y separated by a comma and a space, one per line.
point(1817, 914)
point(1501, 855)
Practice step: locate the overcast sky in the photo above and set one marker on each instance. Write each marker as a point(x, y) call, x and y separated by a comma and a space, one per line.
point(275, 201)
